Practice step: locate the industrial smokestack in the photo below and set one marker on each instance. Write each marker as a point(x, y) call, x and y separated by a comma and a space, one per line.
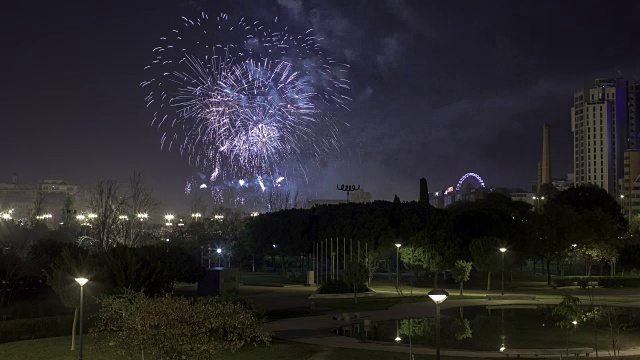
point(539, 179)
point(546, 154)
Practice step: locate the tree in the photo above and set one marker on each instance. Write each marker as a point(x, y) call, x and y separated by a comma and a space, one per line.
point(484, 252)
point(568, 313)
point(396, 199)
point(171, 327)
point(107, 201)
point(461, 272)
point(424, 191)
point(556, 230)
point(356, 275)
point(140, 200)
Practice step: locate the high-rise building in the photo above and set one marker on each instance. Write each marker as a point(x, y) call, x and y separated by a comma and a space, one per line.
point(603, 122)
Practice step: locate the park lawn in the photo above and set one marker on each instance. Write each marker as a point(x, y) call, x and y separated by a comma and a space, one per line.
point(58, 348)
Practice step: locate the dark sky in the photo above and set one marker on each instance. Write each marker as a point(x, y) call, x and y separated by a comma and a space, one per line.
point(440, 88)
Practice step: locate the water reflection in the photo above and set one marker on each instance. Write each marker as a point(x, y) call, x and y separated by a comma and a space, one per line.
point(492, 328)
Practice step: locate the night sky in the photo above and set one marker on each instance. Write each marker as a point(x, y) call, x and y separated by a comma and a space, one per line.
point(440, 88)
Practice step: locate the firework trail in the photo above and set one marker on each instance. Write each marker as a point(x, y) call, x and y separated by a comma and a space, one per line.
point(245, 100)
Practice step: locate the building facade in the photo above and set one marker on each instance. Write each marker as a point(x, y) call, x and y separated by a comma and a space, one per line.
point(630, 194)
point(23, 198)
point(603, 122)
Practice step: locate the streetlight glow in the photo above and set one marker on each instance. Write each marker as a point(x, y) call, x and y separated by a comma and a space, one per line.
point(502, 348)
point(169, 217)
point(142, 216)
point(398, 245)
point(503, 249)
point(92, 216)
point(81, 217)
point(81, 281)
point(398, 338)
point(219, 251)
point(438, 295)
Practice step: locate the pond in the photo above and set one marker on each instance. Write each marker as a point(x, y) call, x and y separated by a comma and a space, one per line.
point(491, 327)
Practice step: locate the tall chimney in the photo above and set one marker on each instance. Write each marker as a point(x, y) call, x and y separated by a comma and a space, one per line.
point(546, 155)
point(539, 180)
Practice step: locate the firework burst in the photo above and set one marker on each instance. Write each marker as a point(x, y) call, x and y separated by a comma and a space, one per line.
point(252, 105)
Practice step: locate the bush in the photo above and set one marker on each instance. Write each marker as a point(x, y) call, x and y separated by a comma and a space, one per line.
point(170, 327)
point(619, 282)
point(563, 282)
point(38, 328)
point(338, 287)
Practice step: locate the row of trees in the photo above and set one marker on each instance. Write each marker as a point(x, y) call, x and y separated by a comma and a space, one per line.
point(582, 223)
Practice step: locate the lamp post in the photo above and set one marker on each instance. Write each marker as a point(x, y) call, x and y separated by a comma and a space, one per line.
point(81, 281)
point(398, 263)
point(537, 199)
point(196, 216)
point(502, 251)
point(438, 296)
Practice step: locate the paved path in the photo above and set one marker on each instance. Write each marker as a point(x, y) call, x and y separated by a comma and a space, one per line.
point(317, 329)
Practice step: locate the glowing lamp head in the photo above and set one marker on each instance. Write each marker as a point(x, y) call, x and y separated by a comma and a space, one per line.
point(574, 322)
point(398, 338)
point(502, 348)
point(438, 295)
point(621, 196)
point(398, 245)
point(503, 249)
point(82, 281)
point(542, 198)
point(219, 251)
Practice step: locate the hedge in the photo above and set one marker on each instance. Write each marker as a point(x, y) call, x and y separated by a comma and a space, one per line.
point(338, 287)
point(38, 328)
point(624, 282)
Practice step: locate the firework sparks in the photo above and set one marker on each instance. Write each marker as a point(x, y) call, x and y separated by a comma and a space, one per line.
point(248, 106)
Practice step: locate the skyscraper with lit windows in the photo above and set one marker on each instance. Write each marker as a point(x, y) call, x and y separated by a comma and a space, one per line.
point(604, 126)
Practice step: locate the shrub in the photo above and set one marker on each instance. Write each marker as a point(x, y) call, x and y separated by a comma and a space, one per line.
point(338, 287)
point(38, 328)
point(563, 282)
point(619, 282)
point(170, 327)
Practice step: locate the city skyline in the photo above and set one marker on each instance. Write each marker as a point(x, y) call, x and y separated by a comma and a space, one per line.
point(436, 94)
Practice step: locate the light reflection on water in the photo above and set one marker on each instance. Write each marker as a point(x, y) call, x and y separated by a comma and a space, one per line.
point(489, 328)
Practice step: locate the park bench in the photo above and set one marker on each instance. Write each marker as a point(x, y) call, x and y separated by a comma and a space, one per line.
point(511, 297)
point(562, 353)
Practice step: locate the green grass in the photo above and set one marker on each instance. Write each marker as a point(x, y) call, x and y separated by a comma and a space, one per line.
point(58, 348)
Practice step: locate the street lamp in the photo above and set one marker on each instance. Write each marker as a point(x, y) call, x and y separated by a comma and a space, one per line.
point(218, 217)
point(537, 199)
point(438, 296)
point(219, 251)
point(196, 216)
point(255, 213)
point(169, 217)
point(398, 263)
point(81, 281)
point(143, 216)
point(502, 251)
point(92, 216)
